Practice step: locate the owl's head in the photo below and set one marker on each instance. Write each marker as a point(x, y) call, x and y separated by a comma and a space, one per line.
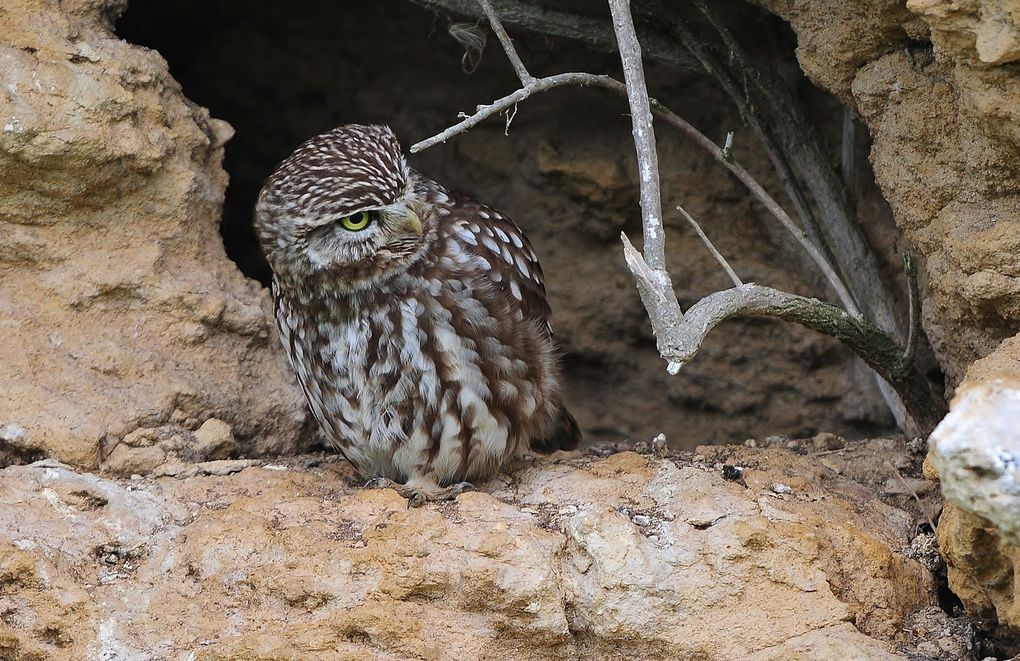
point(343, 205)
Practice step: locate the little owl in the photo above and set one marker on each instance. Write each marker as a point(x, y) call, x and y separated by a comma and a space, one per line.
point(416, 319)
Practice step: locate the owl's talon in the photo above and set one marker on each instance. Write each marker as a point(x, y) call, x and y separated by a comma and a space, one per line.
point(379, 482)
point(418, 491)
point(460, 488)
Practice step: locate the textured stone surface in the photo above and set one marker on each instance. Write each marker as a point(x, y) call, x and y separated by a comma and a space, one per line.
point(942, 101)
point(623, 557)
point(991, 28)
point(949, 170)
point(120, 309)
point(981, 564)
point(836, 37)
point(976, 450)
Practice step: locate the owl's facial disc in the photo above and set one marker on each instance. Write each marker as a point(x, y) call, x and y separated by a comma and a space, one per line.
point(343, 206)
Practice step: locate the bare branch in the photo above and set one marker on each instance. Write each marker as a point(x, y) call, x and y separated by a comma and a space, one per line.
point(790, 141)
point(792, 144)
point(508, 45)
point(847, 166)
point(678, 336)
point(711, 248)
point(733, 81)
point(644, 135)
point(792, 131)
point(659, 300)
point(767, 200)
point(588, 29)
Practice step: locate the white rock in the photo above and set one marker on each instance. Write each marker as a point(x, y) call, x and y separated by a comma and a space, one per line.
point(976, 450)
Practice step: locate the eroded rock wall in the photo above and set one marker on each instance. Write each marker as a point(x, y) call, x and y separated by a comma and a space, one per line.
point(118, 306)
point(976, 451)
point(938, 84)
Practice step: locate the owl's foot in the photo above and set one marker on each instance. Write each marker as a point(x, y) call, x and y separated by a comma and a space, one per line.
point(419, 491)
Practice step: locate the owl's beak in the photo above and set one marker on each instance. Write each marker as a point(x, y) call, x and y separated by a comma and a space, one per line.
point(403, 220)
point(412, 221)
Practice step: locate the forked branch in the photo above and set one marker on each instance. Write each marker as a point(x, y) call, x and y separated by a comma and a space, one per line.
point(679, 343)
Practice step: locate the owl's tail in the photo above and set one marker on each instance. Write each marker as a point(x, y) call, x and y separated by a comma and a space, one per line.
point(564, 435)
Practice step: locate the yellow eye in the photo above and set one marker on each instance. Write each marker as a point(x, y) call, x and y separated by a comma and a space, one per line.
point(357, 221)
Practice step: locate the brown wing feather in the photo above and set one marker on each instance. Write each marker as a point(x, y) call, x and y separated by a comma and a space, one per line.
point(501, 247)
point(513, 265)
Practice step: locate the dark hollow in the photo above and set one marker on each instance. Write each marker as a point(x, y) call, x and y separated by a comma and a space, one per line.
point(280, 72)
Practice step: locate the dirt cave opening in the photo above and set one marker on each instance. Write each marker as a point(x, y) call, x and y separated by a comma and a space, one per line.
point(563, 169)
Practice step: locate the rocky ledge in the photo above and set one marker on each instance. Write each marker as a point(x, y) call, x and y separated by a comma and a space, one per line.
point(786, 550)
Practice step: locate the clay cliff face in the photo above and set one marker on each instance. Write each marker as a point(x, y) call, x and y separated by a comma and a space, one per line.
point(120, 309)
point(938, 84)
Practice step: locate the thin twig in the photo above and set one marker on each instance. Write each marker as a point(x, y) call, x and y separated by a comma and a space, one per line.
point(711, 248)
point(903, 483)
point(727, 150)
point(508, 44)
point(499, 105)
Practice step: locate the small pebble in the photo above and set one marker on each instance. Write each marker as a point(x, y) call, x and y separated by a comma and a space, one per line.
point(779, 487)
point(732, 472)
